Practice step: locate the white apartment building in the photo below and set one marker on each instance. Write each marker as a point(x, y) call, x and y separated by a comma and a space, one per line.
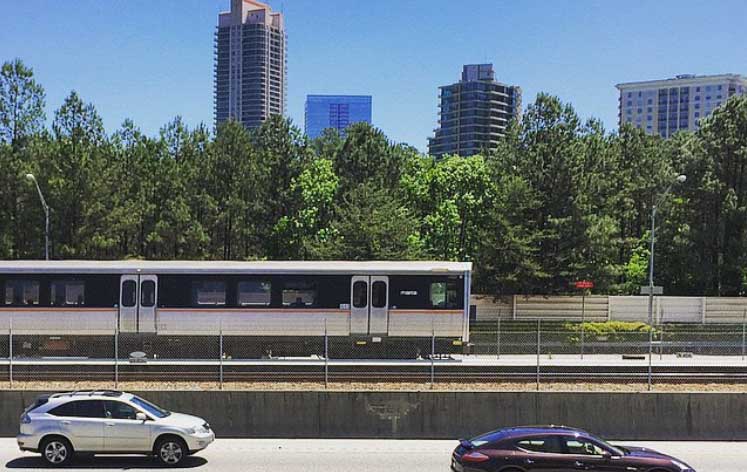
point(664, 107)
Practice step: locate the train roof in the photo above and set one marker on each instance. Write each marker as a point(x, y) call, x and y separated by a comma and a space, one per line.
point(234, 267)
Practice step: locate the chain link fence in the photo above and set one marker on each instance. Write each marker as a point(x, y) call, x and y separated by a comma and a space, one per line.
point(222, 354)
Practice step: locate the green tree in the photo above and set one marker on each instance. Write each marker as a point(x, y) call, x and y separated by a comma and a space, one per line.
point(371, 224)
point(21, 103)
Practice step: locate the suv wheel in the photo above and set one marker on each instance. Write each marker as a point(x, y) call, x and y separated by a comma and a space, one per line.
point(171, 451)
point(56, 451)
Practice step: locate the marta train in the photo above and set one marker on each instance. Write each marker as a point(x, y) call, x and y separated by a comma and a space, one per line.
point(259, 309)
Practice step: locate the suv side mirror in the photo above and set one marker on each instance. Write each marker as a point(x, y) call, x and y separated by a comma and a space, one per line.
point(140, 416)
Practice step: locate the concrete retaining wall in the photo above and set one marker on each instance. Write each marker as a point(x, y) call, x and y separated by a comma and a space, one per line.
point(443, 415)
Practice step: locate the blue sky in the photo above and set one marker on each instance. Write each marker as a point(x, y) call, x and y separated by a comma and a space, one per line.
point(151, 60)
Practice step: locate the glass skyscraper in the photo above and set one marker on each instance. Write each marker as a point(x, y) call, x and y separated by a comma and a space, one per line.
point(336, 112)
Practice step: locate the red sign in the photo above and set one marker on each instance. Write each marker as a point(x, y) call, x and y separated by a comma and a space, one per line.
point(583, 284)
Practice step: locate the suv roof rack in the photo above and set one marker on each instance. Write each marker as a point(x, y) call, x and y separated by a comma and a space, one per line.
point(90, 393)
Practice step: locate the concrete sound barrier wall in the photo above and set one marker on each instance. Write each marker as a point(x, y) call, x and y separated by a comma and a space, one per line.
point(442, 415)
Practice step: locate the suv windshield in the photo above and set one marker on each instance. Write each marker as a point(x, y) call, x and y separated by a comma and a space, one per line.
point(150, 408)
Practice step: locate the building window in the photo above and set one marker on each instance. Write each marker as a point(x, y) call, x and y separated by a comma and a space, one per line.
point(68, 293)
point(208, 292)
point(21, 292)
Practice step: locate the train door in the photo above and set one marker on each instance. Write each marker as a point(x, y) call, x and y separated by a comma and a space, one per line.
point(128, 295)
point(379, 311)
point(369, 305)
point(137, 303)
point(147, 306)
point(359, 305)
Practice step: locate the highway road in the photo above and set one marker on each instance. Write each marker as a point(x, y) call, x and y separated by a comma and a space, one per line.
point(301, 455)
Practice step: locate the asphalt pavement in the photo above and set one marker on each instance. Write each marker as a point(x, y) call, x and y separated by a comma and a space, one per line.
point(296, 455)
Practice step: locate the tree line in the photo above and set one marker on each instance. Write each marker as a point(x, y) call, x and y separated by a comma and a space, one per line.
point(559, 200)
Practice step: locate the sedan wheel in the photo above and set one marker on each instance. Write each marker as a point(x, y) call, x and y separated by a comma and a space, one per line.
point(171, 451)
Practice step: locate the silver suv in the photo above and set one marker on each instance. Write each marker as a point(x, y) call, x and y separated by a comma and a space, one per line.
point(108, 422)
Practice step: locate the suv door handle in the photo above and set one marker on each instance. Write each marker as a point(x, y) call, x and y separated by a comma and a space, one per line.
point(66, 422)
point(528, 461)
point(110, 424)
point(581, 465)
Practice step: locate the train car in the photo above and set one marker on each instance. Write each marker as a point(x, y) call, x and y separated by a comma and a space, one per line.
point(269, 308)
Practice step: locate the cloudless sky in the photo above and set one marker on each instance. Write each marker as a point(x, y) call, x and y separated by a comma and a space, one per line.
point(151, 60)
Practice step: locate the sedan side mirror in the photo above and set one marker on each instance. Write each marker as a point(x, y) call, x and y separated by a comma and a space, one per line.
point(140, 416)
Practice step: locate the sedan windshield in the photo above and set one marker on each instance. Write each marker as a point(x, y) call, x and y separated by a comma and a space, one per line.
point(150, 408)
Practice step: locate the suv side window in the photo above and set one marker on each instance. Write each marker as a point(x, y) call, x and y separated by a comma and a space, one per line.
point(119, 411)
point(80, 409)
point(68, 409)
point(89, 409)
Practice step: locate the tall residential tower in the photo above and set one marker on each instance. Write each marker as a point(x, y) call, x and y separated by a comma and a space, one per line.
point(474, 112)
point(664, 107)
point(335, 111)
point(250, 64)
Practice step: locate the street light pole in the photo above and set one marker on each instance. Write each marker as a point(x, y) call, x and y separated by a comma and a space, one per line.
point(651, 269)
point(46, 214)
point(680, 179)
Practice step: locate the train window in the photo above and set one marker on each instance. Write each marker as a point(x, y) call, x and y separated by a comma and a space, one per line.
point(299, 294)
point(360, 294)
point(129, 297)
point(21, 292)
point(444, 294)
point(208, 292)
point(378, 294)
point(68, 293)
point(148, 293)
point(254, 293)
point(438, 294)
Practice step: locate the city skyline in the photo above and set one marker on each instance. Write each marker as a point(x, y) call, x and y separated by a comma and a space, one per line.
point(163, 65)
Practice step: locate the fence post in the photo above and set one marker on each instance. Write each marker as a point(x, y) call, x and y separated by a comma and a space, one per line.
point(433, 354)
point(220, 354)
point(744, 335)
point(10, 352)
point(116, 356)
point(498, 337)
point(583, 322)
point(661, 343)
point(539, 350)
point(326, 355)
point(650, 354)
